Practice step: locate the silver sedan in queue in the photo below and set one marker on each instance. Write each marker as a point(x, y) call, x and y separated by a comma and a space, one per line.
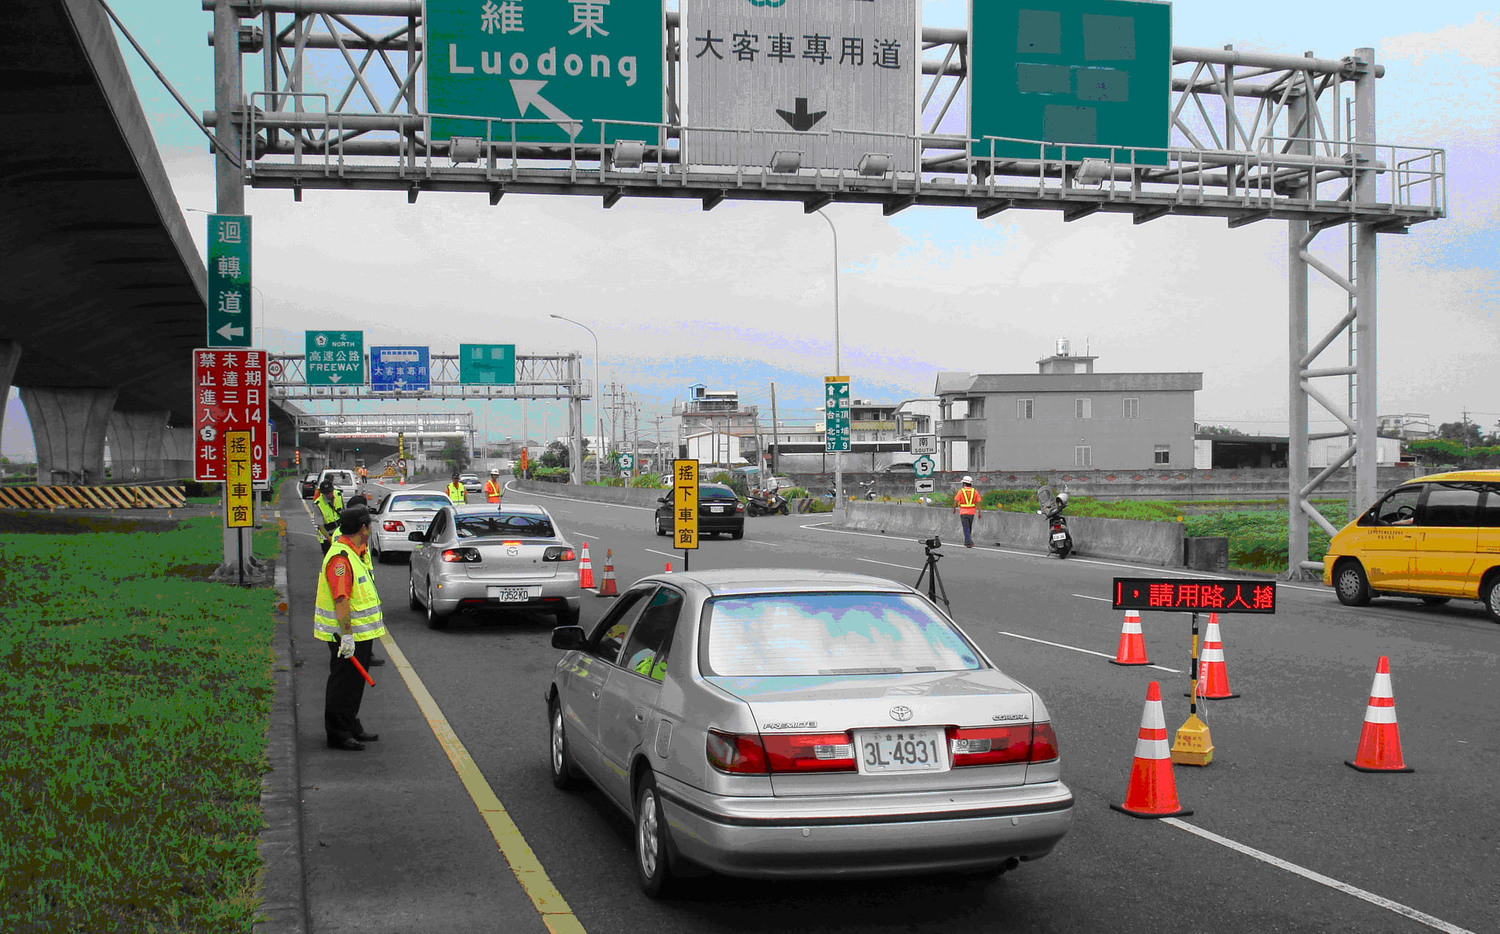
point(786, 723)
point(397, 516)
point(490, 555)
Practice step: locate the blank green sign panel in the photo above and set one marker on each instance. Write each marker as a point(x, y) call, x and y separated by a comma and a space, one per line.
point(1096, 71)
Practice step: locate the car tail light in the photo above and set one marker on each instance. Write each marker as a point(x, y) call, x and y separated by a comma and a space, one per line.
point(391, 525)
point(461, 556)
point(1002, 744)
point(558, 553)
point(737, 753)
point(810, 752)
point(739, 506)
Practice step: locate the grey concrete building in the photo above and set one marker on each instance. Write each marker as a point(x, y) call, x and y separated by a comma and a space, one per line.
point(1066, 416)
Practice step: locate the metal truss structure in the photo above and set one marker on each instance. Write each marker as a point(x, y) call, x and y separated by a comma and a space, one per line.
point(1254, 137)
point(387, 425)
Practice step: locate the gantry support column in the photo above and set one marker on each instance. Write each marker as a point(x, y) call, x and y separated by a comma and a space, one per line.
point(136, 445)
point(575, 421)
point(1297, 341)
point(68, 427)
point(1366, 403)
point(177, 452)
point(10, 358)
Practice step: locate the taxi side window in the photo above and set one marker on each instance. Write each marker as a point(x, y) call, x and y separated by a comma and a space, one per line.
point(610, 633)
point(1399, 507)
point(1450, 505)
point(651, 639)
point(1489, 510)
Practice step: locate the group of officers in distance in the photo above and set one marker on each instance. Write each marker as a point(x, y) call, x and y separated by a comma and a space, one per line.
point(347, 614)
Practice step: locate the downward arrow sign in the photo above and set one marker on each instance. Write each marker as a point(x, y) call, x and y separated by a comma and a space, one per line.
point(228, 331)
point(334, 378)
point(529, 95)
point(800, 121)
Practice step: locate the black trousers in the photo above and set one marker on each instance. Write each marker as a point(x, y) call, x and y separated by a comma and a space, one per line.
point(346, 689)
point(968, 524)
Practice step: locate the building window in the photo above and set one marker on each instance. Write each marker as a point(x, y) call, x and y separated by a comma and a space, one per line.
point(1163, 454)
point(1083, 456)
point(1132, 408)
point(1083, 408)
point(1025, 408)
point(976, 408)
point(976, 455)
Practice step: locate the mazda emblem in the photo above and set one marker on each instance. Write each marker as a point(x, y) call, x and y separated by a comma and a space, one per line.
point(901, 714)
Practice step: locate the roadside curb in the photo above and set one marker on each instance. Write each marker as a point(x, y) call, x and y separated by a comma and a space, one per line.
point(283, 901)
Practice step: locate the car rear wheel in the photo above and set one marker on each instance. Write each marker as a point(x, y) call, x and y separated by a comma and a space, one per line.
point(435, 620)
point(564, 775)
point(1490, 594)
point(661, 528)
point(652, 869)
point(737, 534)
point(1351, 585)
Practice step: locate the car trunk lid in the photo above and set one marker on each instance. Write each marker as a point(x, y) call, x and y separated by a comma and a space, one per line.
point(511, 559)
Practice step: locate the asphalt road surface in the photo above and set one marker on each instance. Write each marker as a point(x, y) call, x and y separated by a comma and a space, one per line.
point(1284, 837)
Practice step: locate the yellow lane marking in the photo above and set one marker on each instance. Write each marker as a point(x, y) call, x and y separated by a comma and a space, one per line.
point(548, 901)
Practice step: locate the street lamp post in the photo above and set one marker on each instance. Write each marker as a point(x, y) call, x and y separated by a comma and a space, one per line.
point(597, 458)
point(838, 457)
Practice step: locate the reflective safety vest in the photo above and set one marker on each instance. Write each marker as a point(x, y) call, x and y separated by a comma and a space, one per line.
point(967, 500)
point(456, 493)
point(329, 523)
point(492, 490)
point(364, 601)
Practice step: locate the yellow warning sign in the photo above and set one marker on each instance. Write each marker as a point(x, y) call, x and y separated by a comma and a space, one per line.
point(685, 504)
point(239, 509)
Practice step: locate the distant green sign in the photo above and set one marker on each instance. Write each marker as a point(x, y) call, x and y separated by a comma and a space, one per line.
point(229, 280)
point(487, 364)
point(1071, 71)
point(560, 64)
point(836, 401)
point(335, 358)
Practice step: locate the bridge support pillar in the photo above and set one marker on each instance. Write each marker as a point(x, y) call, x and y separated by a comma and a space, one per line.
point(136, 445)
point(10, 356)
point(177, 453)
point(68, 427)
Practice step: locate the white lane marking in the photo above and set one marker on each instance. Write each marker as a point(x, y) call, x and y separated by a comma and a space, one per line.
point(574, 499)
point(1435, 923)
point(664, 554)
point(1087, 597)
point(1074, 648)
point(888, 564)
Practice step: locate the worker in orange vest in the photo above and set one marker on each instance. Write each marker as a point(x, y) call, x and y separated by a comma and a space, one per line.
point(492, 490)
point(966, 501)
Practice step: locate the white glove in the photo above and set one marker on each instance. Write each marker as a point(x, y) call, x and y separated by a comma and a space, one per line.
point(346, 646)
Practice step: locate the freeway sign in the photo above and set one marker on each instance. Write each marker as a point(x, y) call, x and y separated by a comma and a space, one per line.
point(1070, 71)
point(487, 364)
point(228, 280)
point(923, 466)
point(832, 81)
point(836, 402)
point(399, 369)
point(550, 72)
point(335, 358)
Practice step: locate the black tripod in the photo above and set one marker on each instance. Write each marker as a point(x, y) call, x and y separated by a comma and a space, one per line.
point(935, 588)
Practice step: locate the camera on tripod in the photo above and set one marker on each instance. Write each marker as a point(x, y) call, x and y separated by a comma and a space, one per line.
point(935, 589)
point(931, 544)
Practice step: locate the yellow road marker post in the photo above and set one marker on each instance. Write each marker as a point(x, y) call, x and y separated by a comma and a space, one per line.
point(1193, 745)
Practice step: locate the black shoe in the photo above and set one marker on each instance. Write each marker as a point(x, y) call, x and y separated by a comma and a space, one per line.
point(349, 743)
point(968, 544)
point(376, 662)
point(367, 737)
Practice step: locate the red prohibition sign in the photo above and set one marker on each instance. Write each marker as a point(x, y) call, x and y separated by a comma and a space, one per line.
point(274, 368)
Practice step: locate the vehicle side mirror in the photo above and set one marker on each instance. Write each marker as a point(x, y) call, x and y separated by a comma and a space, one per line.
point(417, 537)
point(664, 500)
point(568, 637)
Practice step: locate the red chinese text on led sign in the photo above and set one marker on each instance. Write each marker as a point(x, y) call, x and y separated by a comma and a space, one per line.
point(1191, 596)
point(229, 394)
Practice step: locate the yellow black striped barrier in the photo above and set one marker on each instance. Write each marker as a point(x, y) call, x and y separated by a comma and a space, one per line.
point(91, 497)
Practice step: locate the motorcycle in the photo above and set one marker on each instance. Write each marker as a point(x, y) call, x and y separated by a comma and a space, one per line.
point(1059, 539)
point(766, 503)
point(869, 487)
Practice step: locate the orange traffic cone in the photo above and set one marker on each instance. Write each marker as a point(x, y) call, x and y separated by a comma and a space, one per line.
point(607, 584)
point(585, 569)
point(1153, 789)
point(1132, 649)
point(1213, 677)
point(1380, 740)
point(668, 568)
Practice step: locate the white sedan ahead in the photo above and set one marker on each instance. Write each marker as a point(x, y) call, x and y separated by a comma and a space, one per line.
point(400, 514)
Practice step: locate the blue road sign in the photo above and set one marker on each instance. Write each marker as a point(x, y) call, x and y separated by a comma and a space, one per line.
point(400, 369)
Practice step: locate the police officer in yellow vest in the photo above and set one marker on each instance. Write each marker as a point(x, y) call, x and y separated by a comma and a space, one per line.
point(347, 617)
point(329, 503)
point(966, 501)
point(456, 491)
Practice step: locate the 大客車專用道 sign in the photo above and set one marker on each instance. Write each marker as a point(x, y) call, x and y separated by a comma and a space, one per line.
point(1194, 596)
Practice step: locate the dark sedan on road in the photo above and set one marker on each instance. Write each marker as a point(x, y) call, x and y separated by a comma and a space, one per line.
point(309, 485)
point(719, 510)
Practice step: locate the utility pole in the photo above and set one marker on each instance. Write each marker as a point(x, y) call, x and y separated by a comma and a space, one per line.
point(775, 438)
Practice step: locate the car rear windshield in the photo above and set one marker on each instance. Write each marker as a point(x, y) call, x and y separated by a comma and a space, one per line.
point(415, 503)
point(339, 476)
point(505, 525)
point(715, 494)
point(783, 635)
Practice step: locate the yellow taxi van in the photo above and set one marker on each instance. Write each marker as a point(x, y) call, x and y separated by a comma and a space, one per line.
point(1435, 538)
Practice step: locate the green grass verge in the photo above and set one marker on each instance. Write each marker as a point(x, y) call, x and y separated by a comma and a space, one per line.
point(132, 737)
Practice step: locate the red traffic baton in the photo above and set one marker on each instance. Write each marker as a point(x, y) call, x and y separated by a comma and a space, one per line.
point(362, 673)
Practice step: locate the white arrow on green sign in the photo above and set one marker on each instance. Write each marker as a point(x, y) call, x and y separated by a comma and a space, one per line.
point(335, 358)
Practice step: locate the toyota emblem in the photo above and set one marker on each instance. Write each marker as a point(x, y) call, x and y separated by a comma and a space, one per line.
point(901, 714)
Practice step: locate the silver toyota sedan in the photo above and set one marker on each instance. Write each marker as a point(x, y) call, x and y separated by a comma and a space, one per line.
point(496, 556)
point(789, 723)
point(398, 515)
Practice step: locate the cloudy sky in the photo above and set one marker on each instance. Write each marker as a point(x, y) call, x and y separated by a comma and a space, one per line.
point(742, 296)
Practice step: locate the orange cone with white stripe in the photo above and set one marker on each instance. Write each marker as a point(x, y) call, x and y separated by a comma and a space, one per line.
point(1153, 788)
point(1380, 740)
point(1132, 650)
point(607, 584)
point(585, 569)
point(1213, 677)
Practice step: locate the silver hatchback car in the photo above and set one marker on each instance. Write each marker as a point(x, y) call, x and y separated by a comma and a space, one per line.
point(790, 723)
point(492, 555)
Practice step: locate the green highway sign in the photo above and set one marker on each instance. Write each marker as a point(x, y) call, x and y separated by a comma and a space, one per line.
point(229, 280)
point(1070, 71)
point(335, 358)
point(487, 364)
point(561, 66)
point(836, 402)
